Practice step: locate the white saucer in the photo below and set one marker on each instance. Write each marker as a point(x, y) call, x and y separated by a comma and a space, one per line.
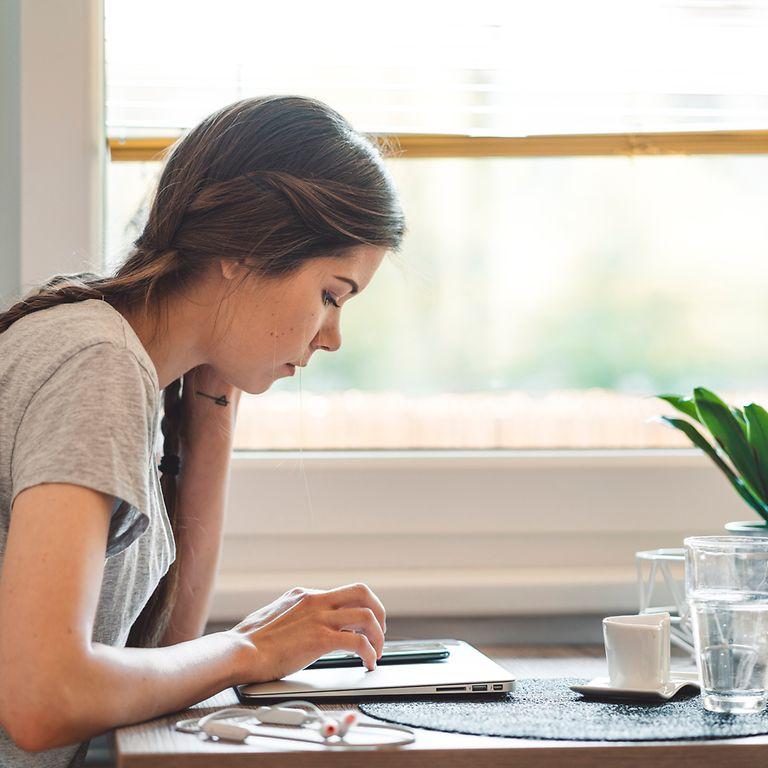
point(601, 687)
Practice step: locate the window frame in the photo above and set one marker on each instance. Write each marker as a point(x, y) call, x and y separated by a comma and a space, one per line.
point(586, 557)
point(422, 145)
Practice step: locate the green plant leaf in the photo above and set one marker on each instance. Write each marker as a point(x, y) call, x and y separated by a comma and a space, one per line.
point(739, 415)
point(729, 435)
point(685, 405)
point(756, 418)
point(701, 393)
point(693, 434)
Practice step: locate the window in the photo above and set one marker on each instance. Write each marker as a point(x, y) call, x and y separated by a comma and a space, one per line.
point(555, 294)
point(585, 190)
point(459, 532)
point(491, 68)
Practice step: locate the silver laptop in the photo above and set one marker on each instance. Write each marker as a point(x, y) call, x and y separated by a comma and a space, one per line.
point(466, 671)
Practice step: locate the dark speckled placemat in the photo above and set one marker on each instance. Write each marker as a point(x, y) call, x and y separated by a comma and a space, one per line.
point(548, 709)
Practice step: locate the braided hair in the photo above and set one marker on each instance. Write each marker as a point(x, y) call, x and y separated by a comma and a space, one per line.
point(272, 181)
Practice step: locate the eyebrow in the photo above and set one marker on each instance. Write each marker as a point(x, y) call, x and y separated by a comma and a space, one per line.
point(349, 281)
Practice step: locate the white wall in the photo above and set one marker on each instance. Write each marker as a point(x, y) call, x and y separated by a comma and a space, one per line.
point(53, 140)
point(10, 135)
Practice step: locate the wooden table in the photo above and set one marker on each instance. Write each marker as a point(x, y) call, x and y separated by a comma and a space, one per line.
point(155, 743)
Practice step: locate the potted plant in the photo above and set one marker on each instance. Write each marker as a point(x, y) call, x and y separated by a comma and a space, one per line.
point(739, 447)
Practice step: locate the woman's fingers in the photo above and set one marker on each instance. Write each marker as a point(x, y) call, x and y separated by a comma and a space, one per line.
point(303, 624)
point(361, 620)
point(356, 643)
point(358, 595)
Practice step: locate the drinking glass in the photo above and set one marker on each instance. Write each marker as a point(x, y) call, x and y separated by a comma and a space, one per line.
point(726, 585)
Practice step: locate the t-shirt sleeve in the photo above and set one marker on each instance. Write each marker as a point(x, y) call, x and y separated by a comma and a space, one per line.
point(90, 424)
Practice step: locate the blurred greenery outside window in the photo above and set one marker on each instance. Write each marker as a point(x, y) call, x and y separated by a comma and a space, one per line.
point(538, 302)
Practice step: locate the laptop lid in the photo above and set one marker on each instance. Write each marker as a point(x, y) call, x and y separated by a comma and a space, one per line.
point(465, 671)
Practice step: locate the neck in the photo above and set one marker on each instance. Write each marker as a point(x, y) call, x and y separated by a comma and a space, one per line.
point(172, 335)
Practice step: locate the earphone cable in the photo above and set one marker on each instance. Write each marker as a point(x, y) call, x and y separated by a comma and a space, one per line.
point(196, 726)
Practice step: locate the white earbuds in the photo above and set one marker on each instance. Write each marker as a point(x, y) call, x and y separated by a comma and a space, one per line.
point(329, 726)
point(227, 730)
point(346, 721)
point(282, 715)
point(237, 724)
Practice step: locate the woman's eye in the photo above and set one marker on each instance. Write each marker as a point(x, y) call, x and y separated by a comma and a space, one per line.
point(328, 299)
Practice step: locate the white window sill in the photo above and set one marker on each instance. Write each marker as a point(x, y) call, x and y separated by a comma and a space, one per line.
point(463, 533)
point(426, 593)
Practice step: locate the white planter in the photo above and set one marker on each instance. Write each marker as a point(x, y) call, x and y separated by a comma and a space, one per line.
point(748, 528)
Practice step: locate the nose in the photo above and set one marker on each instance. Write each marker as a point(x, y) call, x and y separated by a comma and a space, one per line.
point(328, 337)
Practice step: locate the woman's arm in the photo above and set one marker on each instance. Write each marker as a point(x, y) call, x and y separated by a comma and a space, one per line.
point(51, 578)
point(208, 432)
point(49, 588)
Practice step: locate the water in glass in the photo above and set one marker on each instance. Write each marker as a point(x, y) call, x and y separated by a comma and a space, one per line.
point(731, 640)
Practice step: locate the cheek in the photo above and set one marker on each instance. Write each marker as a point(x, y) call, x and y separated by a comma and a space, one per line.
point(282, 333)
point(289, 336)
point(300, 329)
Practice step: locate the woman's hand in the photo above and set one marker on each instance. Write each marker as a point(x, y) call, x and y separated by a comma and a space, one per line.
point(304, 624)
point(275, 608)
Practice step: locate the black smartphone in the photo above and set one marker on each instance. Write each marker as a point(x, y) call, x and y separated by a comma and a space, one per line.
point(395, 652)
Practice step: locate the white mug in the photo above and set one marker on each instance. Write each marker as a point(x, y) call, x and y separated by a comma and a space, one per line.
point(637, 650)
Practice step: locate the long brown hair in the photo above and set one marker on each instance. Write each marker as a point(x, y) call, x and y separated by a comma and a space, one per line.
point(275, 180)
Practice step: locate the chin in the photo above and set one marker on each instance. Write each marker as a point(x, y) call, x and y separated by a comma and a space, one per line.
point(258, 387)
point(254, 382)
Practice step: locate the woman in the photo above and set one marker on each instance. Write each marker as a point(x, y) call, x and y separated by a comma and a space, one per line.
point(268, 217)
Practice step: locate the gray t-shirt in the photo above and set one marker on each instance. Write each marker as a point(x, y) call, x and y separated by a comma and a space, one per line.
point(79, 403)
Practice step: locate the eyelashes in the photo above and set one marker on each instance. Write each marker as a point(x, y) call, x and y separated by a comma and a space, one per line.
point(329, 300)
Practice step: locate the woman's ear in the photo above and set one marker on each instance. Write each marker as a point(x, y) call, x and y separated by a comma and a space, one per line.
point(231, 269)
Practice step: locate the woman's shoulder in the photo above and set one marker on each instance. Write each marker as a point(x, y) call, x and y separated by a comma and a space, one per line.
point(40, 343)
